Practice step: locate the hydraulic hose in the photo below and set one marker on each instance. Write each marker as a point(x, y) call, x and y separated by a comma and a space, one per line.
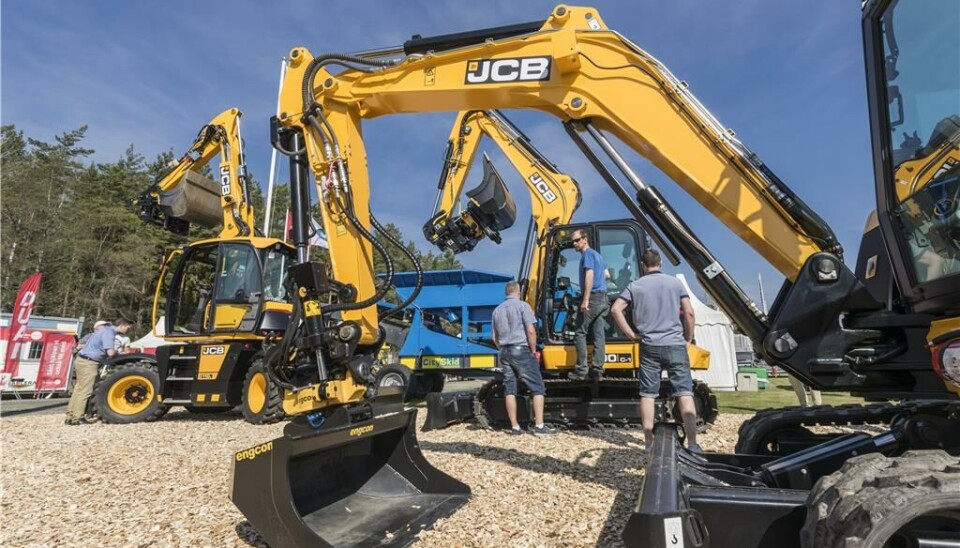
point(379, 294)
point(416, 266)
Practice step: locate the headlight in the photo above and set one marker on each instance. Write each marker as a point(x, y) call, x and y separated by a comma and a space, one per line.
point(946, 362)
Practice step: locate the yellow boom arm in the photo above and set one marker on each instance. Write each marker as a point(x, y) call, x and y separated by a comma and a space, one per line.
point(573, 68)
point(182, 196)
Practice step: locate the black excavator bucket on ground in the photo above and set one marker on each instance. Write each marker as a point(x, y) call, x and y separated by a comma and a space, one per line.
point(358, 480)
point(444, 409)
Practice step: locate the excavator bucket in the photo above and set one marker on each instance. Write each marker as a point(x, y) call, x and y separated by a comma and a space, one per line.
point(358, 480)
point(444, 409)
point(490, 202)
point(195, 200)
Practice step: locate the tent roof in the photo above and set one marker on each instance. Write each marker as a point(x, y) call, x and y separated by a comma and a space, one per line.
point(704, 314)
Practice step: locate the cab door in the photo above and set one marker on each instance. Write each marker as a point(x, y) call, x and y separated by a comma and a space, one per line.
point(620, 243)
point(238, 288)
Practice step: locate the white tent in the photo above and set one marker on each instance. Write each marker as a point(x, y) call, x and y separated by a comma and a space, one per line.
point(715, 333)
point(149, 342)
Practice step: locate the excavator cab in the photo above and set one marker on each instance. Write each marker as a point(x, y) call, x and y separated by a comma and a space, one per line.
point(228, 288)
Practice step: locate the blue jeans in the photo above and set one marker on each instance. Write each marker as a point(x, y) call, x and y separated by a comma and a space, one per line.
point(519, 361)
point(593, 320)
point(675, 360)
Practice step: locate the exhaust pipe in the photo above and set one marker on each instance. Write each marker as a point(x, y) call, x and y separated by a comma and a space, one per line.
point(358, 480)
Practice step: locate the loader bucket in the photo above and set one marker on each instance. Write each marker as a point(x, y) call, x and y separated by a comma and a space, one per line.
point(353, 483)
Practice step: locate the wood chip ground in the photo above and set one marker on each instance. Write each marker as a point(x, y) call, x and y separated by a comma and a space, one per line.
point(166, 483)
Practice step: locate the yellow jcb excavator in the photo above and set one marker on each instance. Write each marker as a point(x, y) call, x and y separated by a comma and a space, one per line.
point(220, 298)
point(549, 275)
point(888, 330)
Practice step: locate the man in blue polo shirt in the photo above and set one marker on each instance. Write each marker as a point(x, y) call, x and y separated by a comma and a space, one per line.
point(97, 349)
point(594, 308)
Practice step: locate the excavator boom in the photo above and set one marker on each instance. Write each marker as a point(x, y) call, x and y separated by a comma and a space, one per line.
point(183, 196)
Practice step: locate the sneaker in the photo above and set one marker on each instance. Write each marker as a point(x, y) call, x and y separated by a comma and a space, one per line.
point(576, 376)
point(695, 448)
point(596, 373)
point(542, 430)
point(72, 422)
point(87, 419)
point(515, 432)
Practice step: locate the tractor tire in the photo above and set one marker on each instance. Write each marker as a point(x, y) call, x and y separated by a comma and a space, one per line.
point(262, 399)
point(422, 384)
point(394, 374)
point(875, 501)
point(129, 393)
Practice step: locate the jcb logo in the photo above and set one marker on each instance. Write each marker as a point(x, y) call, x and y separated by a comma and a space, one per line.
point(520, 69)
point(224, 181)
point(213, 350)
point(542, 188)
point(361, 430)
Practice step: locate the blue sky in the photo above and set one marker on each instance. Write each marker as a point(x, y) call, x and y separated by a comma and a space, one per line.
point(786, 76)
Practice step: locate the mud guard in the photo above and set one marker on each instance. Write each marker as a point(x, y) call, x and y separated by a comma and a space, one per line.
point(358, 480)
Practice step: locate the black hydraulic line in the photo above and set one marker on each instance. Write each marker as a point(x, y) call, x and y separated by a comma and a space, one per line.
point(811, 224)
point(447, 154)
point(618, 189)
point(442, 42)
point(527, 243)
point(418, 268)
point(711, 275)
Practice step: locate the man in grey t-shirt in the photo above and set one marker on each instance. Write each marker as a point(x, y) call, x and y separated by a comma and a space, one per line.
point(515, 334)
point(659, 302)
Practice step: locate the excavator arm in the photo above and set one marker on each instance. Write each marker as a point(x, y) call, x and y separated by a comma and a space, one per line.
point(554, 196)
point(182, 196)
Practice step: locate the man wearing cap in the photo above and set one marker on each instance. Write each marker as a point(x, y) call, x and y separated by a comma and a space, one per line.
point(98, 347)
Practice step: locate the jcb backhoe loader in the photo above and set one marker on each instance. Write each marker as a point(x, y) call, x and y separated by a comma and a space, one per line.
point(549, 275)
point(219, 297)
point(889, 331)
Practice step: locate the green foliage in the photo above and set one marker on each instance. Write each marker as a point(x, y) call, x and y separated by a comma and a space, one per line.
point(76, 221)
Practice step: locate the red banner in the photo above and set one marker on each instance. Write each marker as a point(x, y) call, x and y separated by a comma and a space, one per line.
point(18, 325)
point(55, 361)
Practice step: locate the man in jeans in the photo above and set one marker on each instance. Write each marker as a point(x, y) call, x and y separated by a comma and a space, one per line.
point(594, 307)
point(659, 302)
point(515, 334)
point(87, 363)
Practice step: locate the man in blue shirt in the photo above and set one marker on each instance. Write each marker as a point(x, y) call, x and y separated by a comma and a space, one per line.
point(97, 349)
point(594, 307)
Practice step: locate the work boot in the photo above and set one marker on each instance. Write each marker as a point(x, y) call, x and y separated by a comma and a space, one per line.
point(88, 419)
point(695, 448)
point(72, 422)
point(596, 373)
